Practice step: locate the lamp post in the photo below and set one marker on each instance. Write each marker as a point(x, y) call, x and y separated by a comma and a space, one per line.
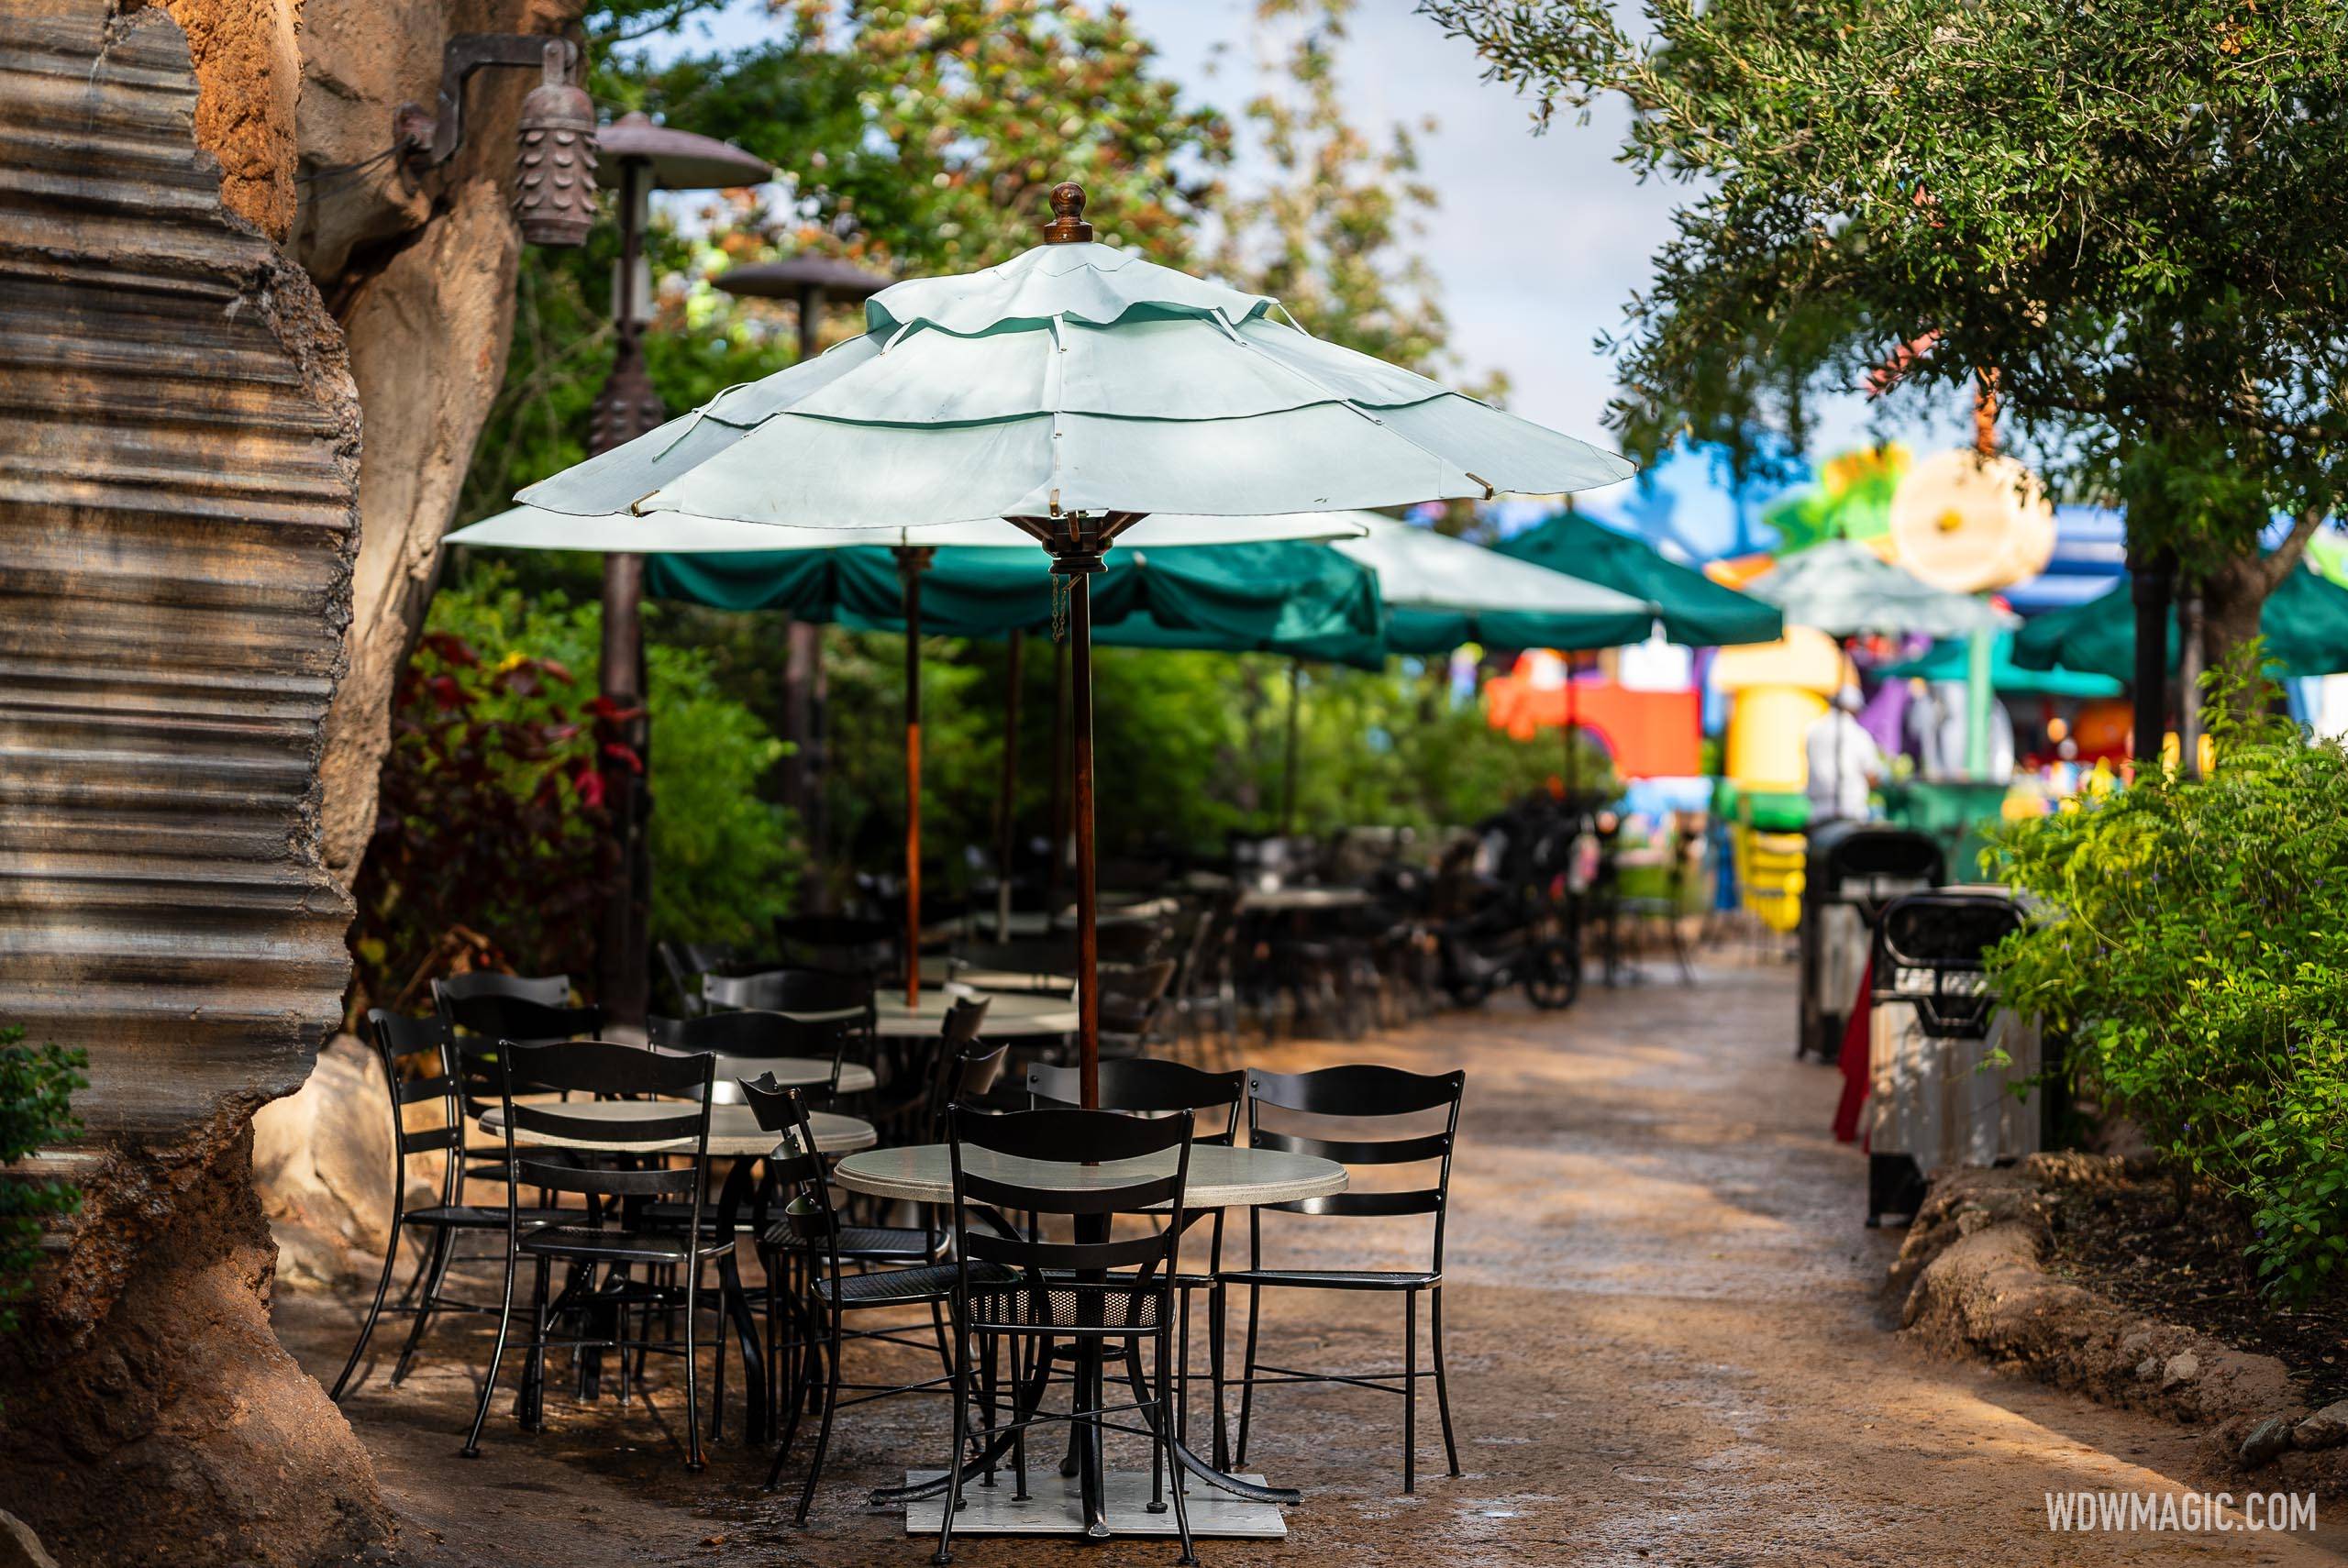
point(639, 156)
point(809, 282)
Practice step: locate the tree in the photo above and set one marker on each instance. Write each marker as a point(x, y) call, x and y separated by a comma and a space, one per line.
point(2126, 213)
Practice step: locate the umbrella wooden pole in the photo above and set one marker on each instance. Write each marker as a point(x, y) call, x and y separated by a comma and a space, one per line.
point(1006, 811)
point(1057, 811)
point(910, 564)
point(1295, 703)
point(1573, 722)
point(1087, 941)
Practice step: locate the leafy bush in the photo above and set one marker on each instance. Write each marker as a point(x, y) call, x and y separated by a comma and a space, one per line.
point(492, 837)
point(2196, 950)
point(36, 1085)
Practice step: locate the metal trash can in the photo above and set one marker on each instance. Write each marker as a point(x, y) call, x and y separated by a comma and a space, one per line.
point(1850, 872)
point(1933, 1102)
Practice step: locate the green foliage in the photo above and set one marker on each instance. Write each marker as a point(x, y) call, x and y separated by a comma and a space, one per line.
point(2195, 949)
point(36, 1085)
point(2126, 210)
point(493, 820)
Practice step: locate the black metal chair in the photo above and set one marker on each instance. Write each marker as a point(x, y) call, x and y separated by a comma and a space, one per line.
point(685, 963)
point(395, 1037)
point(1147, 1086)
point(804, 1250)
point(675, 1095)
point(1093, 1289)
point(1132, 1004)
point(758, 1034)
point(1349, 1094)
point(839, 943)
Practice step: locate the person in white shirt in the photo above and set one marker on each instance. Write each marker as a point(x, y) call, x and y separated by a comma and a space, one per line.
point(1845, 761)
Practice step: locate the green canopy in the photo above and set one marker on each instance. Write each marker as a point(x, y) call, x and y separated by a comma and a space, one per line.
point(1947, 661)
point(1845, 589)
point(1278, 597)
point(1695, 611)
point(1441, 592)
point(2304, 623)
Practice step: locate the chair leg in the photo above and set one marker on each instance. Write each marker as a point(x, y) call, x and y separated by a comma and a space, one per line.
point(532, 1405)
point(1247, 1373)
point(831, 1408)
point(1217, 1304)
point(960, 1378)
point(375, 1310)
point(801, 1374)
point(1442, 1385)
point(1162, 1453)
point(693, 1360)
point(990, 1357)
point(443, 1242)
point(1410, 1391)
point(497, 1354)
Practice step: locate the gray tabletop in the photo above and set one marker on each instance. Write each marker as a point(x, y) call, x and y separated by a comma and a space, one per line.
point(1009, 1016)
point(794, 1071)
point(1280, 900)
point(1219, 1178)
point(733, 1130)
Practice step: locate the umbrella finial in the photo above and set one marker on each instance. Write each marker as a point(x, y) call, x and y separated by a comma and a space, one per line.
point(1067, 225)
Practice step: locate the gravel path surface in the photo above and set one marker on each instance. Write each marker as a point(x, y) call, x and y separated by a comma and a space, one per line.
point(1666, 1349)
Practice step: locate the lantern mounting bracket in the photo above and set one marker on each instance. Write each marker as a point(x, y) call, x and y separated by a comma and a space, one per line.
point(427, 140)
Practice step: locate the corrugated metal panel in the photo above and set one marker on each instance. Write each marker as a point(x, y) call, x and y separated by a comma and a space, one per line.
point(178, 513)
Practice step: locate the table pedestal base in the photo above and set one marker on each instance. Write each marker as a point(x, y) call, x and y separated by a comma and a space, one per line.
point(1054, 1507)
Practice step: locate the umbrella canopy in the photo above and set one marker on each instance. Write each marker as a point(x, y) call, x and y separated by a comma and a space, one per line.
point(2304, 623)
point(1948, 661)
point(1695, 611)
point(1441, 592)
point(1271, 596)
point(1075, 379)
point(1845, 589)
point(1072, 390)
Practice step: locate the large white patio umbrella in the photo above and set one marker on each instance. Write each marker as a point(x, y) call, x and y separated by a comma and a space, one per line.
point(1072, 392)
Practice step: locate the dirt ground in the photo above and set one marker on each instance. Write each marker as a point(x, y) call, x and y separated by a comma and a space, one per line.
point(1665, 1350)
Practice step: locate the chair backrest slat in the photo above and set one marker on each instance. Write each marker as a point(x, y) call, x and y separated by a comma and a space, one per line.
point(1358, 1151)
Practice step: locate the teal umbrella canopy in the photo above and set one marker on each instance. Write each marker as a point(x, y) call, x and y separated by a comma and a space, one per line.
point(1948, 661)
point(1693, 609)
point(1274, 597)
point(1845, 589)
point(1075, 379)
point(2304, 623)
point(1441, 592)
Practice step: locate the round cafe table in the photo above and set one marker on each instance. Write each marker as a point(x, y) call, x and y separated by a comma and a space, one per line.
point(735, 1134)
point(1300, 901)
point(1009, 1016)
point(793, 1072)
point(1219, 1178)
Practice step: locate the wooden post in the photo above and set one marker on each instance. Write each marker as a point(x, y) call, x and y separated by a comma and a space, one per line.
point(911, 563)
point(2149, 584)
point(1288, 790)
point(1007, 808)
point(1572, 778)
point(1087, 939)
point(1056, 861)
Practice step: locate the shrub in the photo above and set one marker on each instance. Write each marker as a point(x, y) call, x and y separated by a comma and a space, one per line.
point(2195, 949)
point(493, 838)
point(36, 1085)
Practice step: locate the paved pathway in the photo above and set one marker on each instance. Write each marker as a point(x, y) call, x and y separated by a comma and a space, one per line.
point(1665, 1351)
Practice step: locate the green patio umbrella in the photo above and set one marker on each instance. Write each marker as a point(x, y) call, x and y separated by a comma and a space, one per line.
point(1950, 660)
point(1072, 392)
point(1845, 589)
point(2304, 623)
point(1272, 590)
point(1694, 610)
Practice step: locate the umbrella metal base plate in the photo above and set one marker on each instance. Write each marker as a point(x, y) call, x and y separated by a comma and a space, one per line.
point(1054, 1507)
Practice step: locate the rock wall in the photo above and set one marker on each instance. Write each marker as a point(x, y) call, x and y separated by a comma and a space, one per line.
point(197, 297)
point(178, 468)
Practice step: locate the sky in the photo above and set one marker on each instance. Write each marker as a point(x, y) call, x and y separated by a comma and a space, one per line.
point(1539, 241)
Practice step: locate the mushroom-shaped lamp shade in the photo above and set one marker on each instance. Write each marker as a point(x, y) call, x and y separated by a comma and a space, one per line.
point(680, 160)
point(838, 280)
